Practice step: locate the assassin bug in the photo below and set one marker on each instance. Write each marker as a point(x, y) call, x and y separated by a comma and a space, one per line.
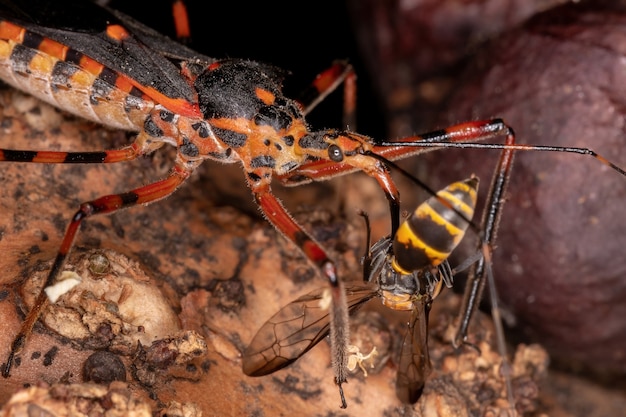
point(106, 67)
point(406, 271)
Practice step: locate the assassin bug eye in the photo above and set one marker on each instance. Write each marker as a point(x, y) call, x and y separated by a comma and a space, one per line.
point(335, 154)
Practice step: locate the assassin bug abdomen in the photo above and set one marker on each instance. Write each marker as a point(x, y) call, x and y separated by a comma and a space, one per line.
point(80, 67)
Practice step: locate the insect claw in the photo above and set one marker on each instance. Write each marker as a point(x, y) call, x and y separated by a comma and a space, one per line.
point(6, 368)
point(344, 404)
point(16, 347)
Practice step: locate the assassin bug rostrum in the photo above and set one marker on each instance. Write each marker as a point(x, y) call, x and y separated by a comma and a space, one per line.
point(231, 110)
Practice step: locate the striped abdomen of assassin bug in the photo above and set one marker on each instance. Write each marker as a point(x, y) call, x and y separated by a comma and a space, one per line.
point(70, 80)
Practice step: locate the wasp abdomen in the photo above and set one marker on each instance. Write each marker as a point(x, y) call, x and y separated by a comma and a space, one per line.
point(435, 228)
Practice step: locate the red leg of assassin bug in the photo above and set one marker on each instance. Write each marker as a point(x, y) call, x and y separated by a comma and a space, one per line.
point(102, 205)
point(181, 21)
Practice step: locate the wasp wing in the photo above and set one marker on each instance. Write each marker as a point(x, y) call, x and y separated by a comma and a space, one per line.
point(296, 328)
point(414, 363)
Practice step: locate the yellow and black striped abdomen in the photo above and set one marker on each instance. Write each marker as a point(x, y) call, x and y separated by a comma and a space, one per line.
point(435, 228)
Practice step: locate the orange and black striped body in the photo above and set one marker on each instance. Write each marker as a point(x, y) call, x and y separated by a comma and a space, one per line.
point(70, 80)
point(85, 59)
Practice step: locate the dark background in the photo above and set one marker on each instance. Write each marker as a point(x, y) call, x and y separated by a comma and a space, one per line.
point(301, 37)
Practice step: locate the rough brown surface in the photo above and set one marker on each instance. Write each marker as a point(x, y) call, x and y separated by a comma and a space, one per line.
point(222, 272)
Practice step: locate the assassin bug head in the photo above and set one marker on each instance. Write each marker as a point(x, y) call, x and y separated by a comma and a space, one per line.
point(339, 146)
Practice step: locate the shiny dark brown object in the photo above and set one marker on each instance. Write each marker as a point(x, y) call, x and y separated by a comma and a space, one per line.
point(103, 367)
point(558, 79)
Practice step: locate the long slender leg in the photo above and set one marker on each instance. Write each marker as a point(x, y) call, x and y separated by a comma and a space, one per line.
point(481, 272)
point(103, 205)
point(325, 83)
point(142, 145)
point(127, 153)
point(491, 219)
point(282, 221)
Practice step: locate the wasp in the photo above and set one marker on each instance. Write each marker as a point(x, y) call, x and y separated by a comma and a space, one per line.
point(100, 64)
point(406, 271)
